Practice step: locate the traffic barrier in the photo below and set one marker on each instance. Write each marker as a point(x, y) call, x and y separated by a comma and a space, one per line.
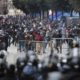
point(49, 51)
point(40, 47)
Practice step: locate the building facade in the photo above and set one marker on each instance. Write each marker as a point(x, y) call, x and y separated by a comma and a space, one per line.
point(3, 7)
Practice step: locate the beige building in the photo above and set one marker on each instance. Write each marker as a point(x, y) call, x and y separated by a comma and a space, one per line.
point(7, 7)
point(3, 7)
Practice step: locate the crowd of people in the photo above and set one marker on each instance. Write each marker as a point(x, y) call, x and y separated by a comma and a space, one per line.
point(34, 36)
point(24, 29)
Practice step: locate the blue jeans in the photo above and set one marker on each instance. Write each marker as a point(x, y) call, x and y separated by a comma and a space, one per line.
point(21, 45)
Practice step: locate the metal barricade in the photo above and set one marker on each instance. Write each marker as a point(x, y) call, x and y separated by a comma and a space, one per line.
point(61, 48)
point(48, 50)
point(56, 44)
point(62, 45)
point(39, 47)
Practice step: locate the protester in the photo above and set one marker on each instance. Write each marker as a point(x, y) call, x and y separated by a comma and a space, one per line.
point(31, 36)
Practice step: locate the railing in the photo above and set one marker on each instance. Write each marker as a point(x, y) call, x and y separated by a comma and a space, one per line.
point(62, 43)
point(40, 47)
point(37, 46)
point(48, 50)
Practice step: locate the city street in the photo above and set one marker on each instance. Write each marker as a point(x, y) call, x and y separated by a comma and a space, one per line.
point(39, 40)
point(55, 75)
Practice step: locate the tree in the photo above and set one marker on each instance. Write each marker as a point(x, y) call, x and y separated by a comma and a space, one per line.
point(32, 5)
point(63, 5)
point(75, 4)
point(28, 6)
